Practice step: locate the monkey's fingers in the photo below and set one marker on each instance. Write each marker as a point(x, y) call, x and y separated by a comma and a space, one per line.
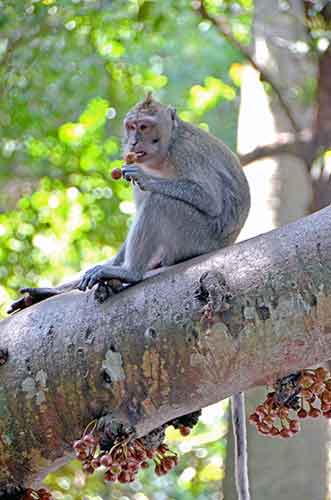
point(130, 157)
point(130, 172)
point(94, 279)
point(17, 305)
point(82, 285)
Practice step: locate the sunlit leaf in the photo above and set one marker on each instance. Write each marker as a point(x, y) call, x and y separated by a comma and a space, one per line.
point(235, 73)
point(37, 149)
point(72, 133)
point(203, 98)
point(211, 472)
point(111, 146)
point(95, 115)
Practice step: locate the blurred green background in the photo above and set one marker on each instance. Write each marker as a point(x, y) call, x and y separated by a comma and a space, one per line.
point(70, 70)
point(75, 69)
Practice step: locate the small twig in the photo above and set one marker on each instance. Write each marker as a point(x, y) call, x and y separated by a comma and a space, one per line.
point(93, 424)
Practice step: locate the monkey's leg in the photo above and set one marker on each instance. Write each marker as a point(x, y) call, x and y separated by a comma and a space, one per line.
point(180, 189)
point(240, 445)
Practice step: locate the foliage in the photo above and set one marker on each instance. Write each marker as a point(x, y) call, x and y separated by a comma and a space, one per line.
point(69, 71)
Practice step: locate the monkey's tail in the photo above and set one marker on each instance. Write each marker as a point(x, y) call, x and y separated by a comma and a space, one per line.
point(240, 445)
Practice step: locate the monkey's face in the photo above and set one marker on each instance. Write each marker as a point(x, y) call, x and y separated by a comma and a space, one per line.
point(148, 136)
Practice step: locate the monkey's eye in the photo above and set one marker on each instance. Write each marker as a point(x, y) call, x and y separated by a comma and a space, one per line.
point(155, 141)
point(130, 126)
point(143, 126)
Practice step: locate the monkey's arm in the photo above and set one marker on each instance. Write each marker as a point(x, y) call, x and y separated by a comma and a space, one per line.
point(181, 189)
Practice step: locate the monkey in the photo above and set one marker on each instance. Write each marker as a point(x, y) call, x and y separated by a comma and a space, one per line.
point(191, 196)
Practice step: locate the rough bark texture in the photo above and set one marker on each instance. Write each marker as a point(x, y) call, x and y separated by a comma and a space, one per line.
point(271, 298)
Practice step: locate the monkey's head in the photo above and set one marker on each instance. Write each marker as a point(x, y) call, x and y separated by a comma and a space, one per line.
point(147, 132)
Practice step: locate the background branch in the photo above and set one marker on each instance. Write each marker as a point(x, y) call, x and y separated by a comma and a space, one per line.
point(302, 145)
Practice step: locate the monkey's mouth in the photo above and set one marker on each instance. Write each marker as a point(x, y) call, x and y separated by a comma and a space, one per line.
point(140, 154)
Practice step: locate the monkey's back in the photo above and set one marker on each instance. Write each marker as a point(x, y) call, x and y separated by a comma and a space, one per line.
point(204, 158)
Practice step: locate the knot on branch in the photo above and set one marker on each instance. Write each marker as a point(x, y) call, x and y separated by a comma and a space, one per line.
point(3, 357)
point(215, 294)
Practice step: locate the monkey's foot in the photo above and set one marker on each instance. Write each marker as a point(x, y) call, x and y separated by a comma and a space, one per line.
point(3, 355)
point(33, 296)
point(104, 290)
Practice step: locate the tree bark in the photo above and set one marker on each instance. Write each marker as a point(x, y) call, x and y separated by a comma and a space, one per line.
point(271, 303)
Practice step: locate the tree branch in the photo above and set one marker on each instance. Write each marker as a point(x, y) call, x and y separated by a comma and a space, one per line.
point(301, 145)
point(224, 29)
point(152, 352)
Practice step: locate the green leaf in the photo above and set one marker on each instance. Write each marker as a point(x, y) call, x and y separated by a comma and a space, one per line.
point(203, 98)
point(72, 133)
point(145, 11)
point(95, 115)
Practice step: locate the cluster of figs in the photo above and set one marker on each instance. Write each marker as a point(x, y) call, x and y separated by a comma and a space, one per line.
point(311, 398)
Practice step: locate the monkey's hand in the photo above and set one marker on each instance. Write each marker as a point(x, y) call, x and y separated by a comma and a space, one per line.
point(137, 176)
point(93, 276)
point(33, 296)
point(108, 274)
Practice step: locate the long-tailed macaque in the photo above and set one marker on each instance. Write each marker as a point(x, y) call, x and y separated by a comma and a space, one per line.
point(192, 197)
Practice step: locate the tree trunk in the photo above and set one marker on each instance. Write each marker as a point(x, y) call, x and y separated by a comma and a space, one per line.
point(149, 354)
point(322, 129)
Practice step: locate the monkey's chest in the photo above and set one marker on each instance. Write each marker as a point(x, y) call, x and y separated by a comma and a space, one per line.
point(140, 196)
